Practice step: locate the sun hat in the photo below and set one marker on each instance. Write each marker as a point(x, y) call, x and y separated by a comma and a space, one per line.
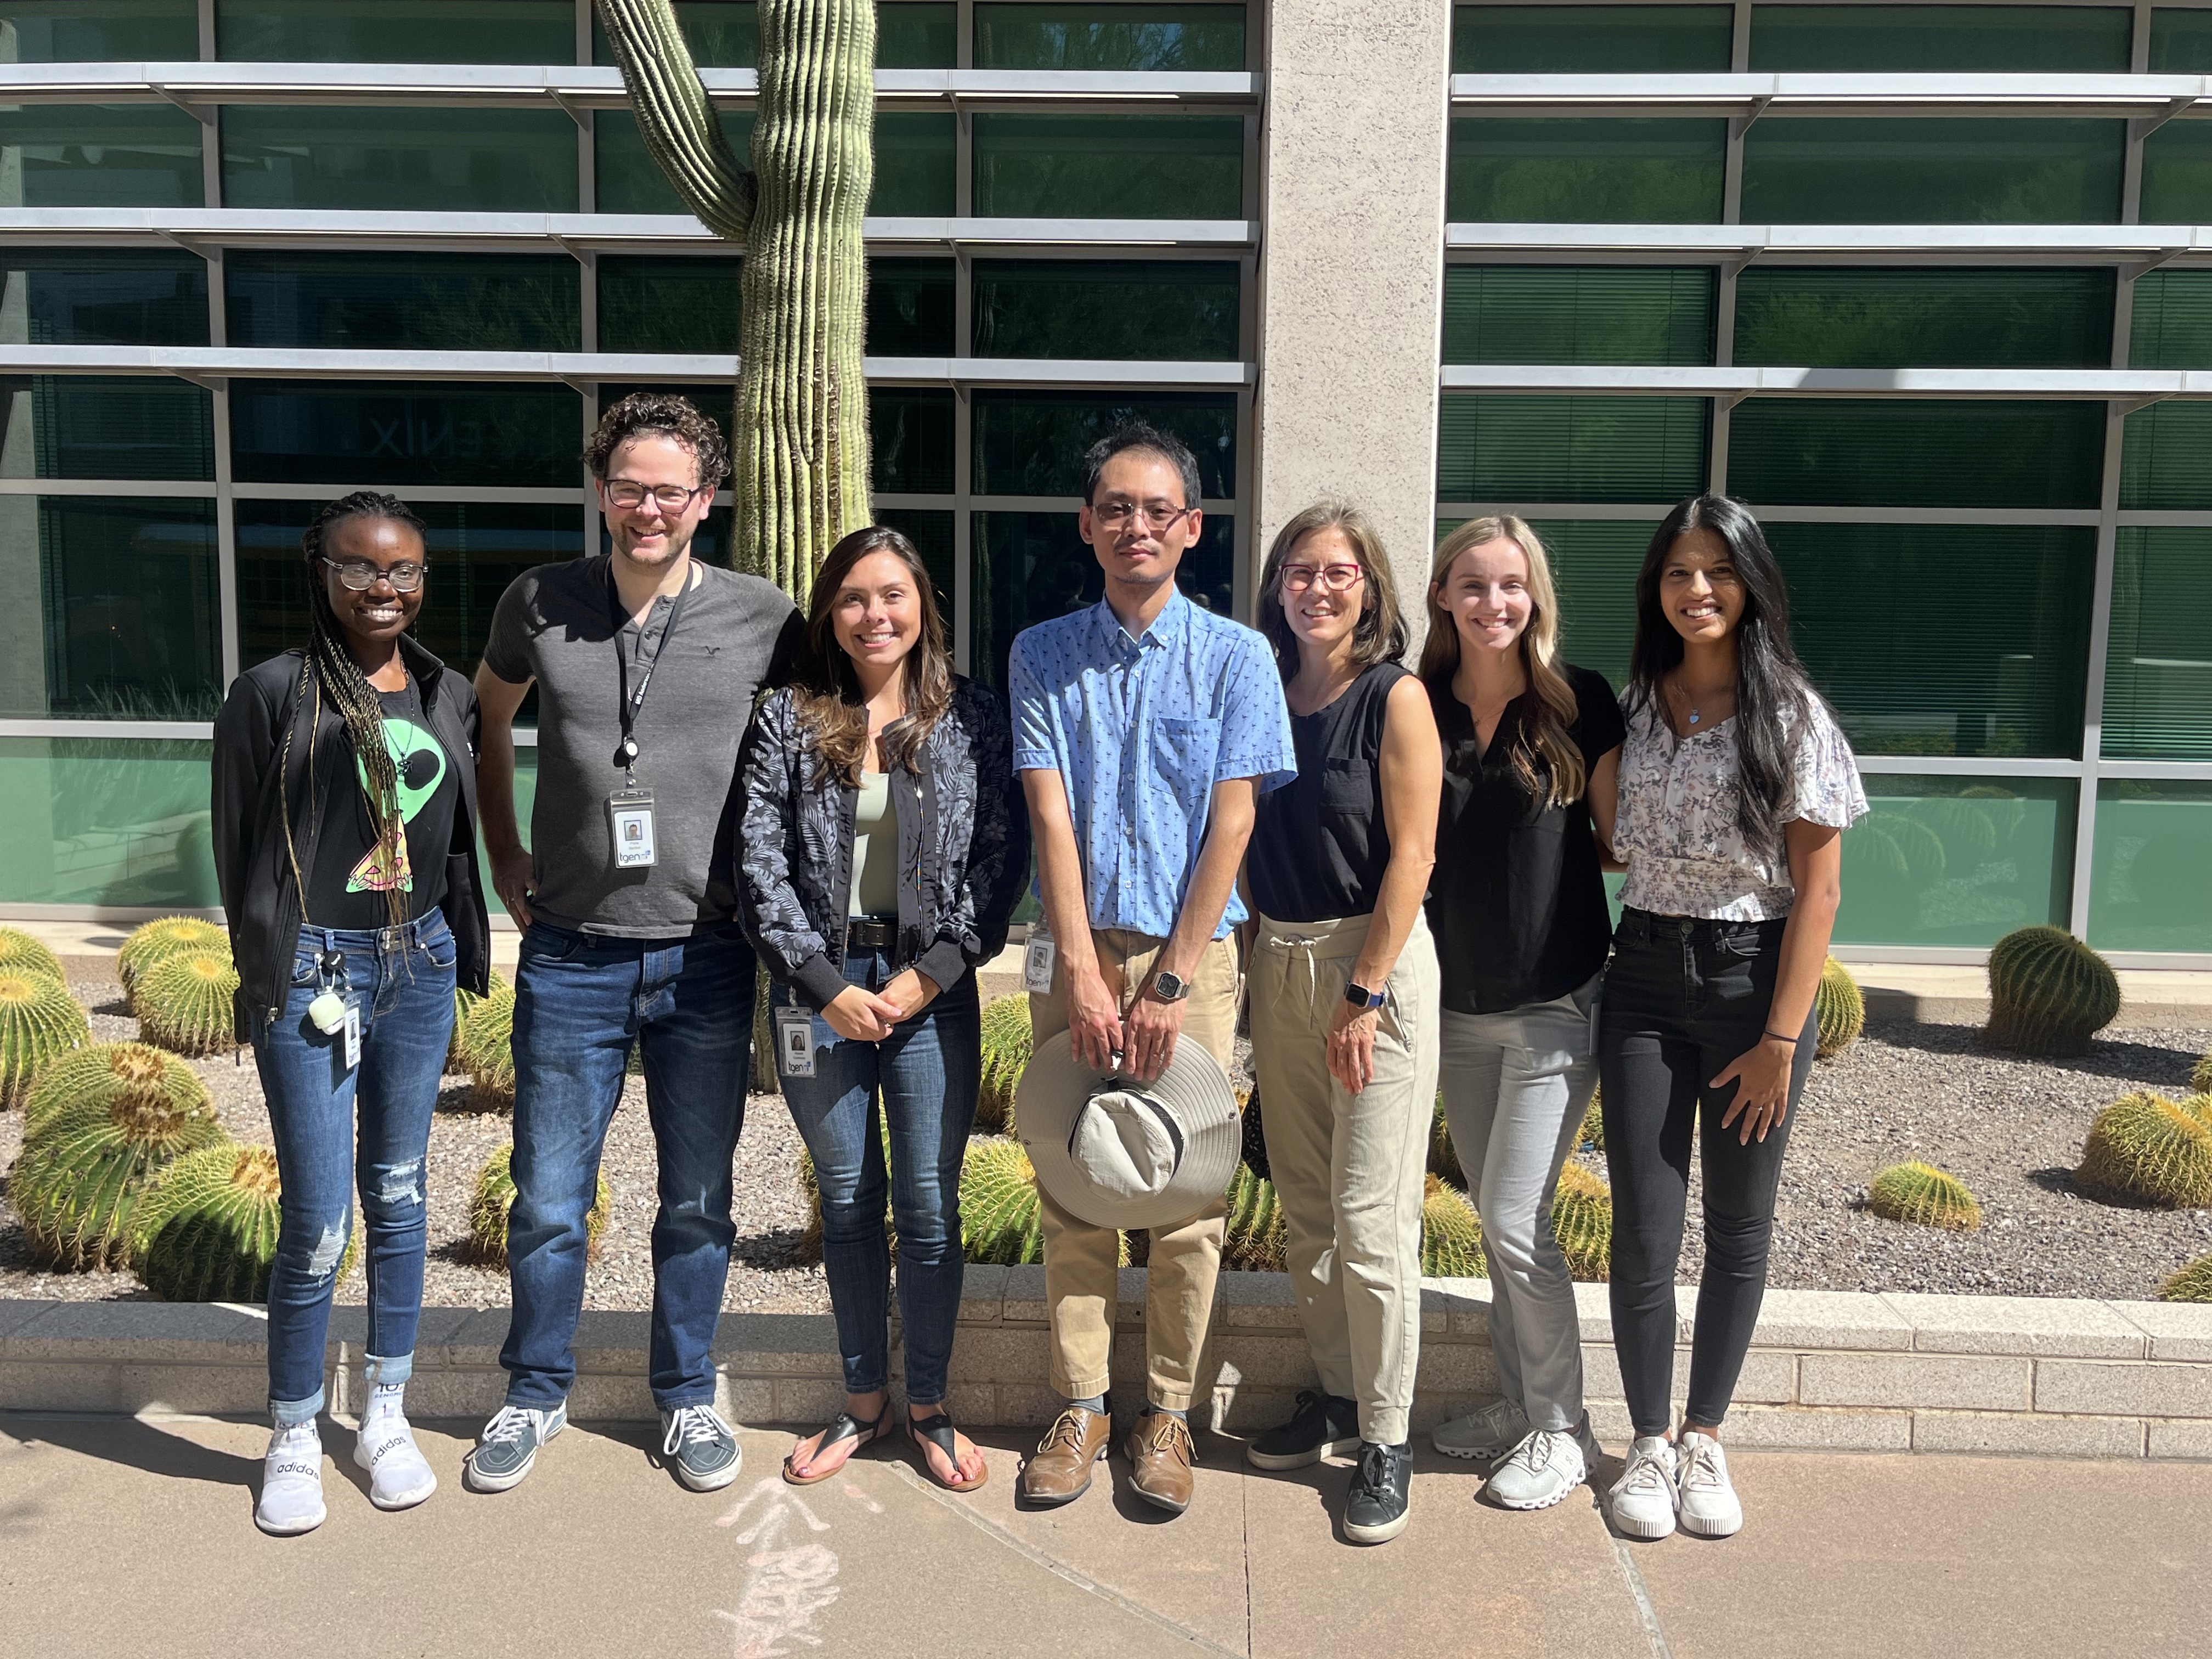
point(1116, 1152)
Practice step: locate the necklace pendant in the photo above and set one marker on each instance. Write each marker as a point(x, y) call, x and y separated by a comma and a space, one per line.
point(1693, 717)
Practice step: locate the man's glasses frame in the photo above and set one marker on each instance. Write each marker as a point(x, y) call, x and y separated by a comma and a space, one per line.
point(668, 498)
point(1158, 517)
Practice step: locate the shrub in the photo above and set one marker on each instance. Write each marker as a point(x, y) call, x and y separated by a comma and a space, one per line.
point(1451, 1233)
point(1838, 1010)
point(1001, 1219)
point(205, 1231)
point(40, 1021)
point(2190, 1284)
point(2049, 993)
point(1924, 1197)
point(19, 951)
point(494, 1196)
point(1253, 1238)
point(1006, 1038)
point(1582, 1220)
point(184, 1002)
point(108, 1118)
point(2152, 1149)
point(484, 1046)
point(464, 1000)
point(165, 936)
point(2200, 1078)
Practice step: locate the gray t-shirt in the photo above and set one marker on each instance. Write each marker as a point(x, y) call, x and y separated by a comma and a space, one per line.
point(558, 624)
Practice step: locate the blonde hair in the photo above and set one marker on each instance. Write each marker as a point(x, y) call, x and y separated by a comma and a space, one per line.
point(1549, 738)
point(1381, 635)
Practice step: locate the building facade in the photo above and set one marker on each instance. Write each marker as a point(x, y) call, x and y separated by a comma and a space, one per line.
point(1927, 285)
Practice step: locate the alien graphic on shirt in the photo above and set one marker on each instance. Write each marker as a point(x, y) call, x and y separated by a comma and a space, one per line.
point(419, 764)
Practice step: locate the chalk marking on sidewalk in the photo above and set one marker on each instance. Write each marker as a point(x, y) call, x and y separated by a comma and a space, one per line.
point(1060, 1568)
point(1652, 1629)
point(784, 1588)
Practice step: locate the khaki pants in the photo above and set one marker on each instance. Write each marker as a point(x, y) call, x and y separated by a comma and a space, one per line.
point(1349, 1167)
point(1081, 1260)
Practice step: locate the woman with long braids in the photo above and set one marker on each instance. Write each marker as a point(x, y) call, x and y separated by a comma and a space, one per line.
point(1735, 784)
point(344, 804)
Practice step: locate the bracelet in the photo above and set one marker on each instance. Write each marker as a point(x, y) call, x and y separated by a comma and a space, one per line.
point(1778, 1037)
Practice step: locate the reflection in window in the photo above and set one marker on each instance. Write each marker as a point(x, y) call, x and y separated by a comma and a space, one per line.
point(372, 302)
point(2158, 674)
point(1114, 36)
point(396, 31)
point(1919, 452)
point(1956, 860)
point(97, 426)
point(433, 160)
point(1579, 314)
point(931, 532)
point(2151, 885)
point(1176, 311)
point(1109, 166)
point(1932, 171)
point(116, 821)
point(1585, 40)
point(103, 296)
point(916, 176)
point(1031, 443)
point(1517, 449)
point(99, 155)
point(1954, 317)
point(1608, 170)
point(99, 30)
point(910, 307)
point(116, 614)
point(2080, 39)
point(334, 432)
point(911, 432)
point(674, 305)
point(626, 178)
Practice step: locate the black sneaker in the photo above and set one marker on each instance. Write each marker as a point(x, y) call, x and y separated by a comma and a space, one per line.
point(1382, 1490)
point(1322, 1424)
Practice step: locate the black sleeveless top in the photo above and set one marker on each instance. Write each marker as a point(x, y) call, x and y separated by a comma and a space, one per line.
point(1319, 846)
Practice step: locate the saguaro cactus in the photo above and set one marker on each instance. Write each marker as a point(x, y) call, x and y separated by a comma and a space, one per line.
point(801, 450)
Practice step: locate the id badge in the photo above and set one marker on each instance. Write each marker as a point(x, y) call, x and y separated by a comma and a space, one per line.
point(1037, 962)
point(794, 1041)
point(352, 1035)
point(629, 820)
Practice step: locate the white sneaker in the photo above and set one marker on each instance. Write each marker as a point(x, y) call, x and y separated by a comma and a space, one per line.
point(1488, 1433)
point(399, 1476)
point(291, 1482)
point(1709, 1504)
point(1642, 1501)
point(1539, 1471)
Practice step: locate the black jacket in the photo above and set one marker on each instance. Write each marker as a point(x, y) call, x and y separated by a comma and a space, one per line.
point(963, 845)
point(253, 867)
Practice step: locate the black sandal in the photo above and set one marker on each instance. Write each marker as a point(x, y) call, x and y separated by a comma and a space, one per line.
point(938, 1431)
point(846, 1427)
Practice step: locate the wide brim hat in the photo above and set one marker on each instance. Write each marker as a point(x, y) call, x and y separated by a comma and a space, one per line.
point(1119, 1153)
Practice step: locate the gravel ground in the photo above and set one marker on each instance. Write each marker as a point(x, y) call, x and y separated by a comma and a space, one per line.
point(2011, 1128)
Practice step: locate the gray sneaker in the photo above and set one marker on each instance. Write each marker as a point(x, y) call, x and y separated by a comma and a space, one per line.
point(701, 1446)
point(1488, 1433)
point(509, 1445)
point(1539, 1471)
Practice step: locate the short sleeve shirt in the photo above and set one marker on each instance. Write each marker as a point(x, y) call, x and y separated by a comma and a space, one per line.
point(1676, 828)
point(1140, 730)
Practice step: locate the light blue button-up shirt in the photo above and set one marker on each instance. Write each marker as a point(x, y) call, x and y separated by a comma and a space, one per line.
point(1139, 732)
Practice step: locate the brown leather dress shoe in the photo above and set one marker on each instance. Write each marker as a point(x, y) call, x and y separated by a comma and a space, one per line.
point(1058, 1471)
point(1160, 1448)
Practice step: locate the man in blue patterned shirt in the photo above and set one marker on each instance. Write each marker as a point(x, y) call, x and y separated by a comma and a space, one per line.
point(1145, 729)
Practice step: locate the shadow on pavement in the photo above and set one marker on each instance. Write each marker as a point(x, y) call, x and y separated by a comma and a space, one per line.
point(141, 1445)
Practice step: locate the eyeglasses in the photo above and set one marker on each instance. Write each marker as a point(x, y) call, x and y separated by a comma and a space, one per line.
point(1336, 578)
point(359, 576)
point(1156, 516)
point(629, 495)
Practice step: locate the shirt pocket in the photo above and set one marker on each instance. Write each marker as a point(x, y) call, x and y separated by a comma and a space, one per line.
point(1183, 756)
point(1347, 785)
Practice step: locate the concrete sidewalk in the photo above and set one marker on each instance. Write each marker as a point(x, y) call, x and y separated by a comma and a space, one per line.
point(133, 1535)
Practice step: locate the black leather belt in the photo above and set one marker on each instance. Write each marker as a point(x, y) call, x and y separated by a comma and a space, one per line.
point(871, 933)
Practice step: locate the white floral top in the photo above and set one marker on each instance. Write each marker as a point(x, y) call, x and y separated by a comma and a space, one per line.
point(1676, 828)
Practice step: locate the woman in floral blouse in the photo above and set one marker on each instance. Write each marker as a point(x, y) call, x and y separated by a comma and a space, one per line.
point(1735, 786)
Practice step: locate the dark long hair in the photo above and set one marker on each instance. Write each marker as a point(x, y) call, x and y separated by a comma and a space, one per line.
point(329, 671)
point(1773, 694)
point(830, 708)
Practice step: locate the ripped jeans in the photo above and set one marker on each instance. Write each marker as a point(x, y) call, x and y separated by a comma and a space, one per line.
point(403, 980)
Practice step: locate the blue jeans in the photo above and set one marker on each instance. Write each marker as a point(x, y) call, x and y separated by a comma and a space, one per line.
point(927, 1071)
point(403, 980)
point(580, 1001)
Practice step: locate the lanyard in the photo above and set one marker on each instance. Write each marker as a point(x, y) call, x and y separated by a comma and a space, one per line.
point(633, 701)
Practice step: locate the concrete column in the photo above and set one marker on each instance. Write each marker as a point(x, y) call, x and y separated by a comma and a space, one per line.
point(1351, 191)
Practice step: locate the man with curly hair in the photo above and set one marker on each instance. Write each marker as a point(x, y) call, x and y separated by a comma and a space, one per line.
point(647, 662)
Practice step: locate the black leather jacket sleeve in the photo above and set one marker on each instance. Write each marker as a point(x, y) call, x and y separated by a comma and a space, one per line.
point(245, 740)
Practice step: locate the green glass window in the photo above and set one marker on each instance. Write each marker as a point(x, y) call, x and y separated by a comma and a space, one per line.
point(625, 177)
point(99, 155)
point(396, 31)
point(1570, 170)
point(910, 307)
point(1586, 39)
point(721, 33)
point(372, 301)
point(2171, 323)
point(1177, 311)
point(329, 431)
point(2077, 39)
point(1032, 567)
point(435, 159)
point(1578, 314)
point(679, 305)
point(1932, 171)
point(1518, 449)
point(97, 426)
point(103, 296)
point(1109, 166)
point(911, 431)
point(115, 614)
point(1593, 566)
point(1956, 860)
point(2180, 41)
point(2150, 884)
point(99, 30)
point(1836, 451)
point(2158, 671)
point(104, 821)
point(1991, 656)
point(1031, 443)
point(1946, 316)
point(2177, 174)
point(2165, 459)
point(1114, 36)
point(918, 34)
point(917, 176)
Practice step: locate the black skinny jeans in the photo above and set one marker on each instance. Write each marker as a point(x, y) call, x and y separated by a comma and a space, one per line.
point(1683, 999)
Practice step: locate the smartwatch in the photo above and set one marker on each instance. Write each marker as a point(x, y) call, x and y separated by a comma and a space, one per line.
point(1363, 999)
point(1169, 988)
